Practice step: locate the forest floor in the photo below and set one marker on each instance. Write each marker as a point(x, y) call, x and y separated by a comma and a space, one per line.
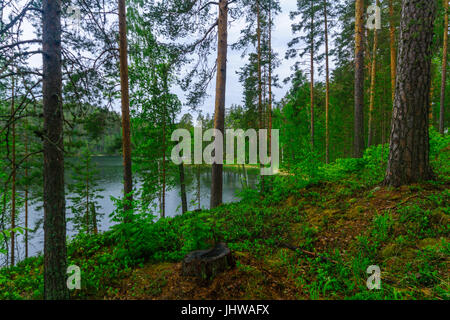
point(372, 220)
point(311, 235)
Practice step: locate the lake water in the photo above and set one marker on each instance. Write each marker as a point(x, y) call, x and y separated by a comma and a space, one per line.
point(110, 179)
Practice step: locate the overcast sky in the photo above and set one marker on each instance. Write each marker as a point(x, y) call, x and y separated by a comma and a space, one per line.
point(281, 35)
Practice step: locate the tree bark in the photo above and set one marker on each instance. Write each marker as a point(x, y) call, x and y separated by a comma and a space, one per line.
point(327, 89)
point(270, 81)
point(358, 143)
point(197, 171)
point(444, 70)
point(13, 182)
point(184, 207)
point(392, 48)
point(260, 106)
point(126, 135)
point(409, 143)
point(55, 257)
point(372, 85)
point(87, 197)
point(312, 75)
point(219, 114)
point(26, 190)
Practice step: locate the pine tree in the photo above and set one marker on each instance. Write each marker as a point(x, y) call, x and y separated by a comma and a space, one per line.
point(358, 143)
point(409, 144)
point(126, 139)
point(444, 70)
point(54, 202)
point(84, 190)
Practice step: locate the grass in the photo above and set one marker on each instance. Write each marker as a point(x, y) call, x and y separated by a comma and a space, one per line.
point(337, 223)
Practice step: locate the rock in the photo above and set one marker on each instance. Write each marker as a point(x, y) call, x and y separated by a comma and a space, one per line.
point(206, 264)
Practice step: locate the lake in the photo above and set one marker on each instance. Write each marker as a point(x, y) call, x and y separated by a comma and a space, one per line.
point(110, 179)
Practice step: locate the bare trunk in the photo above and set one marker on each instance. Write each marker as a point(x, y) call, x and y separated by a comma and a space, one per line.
point(358, 144)
point(270, 81)
point(166, 92)
point(184, 207)
point(198, 188)
point(409, 144)
point(13, 182)
point(87, 196)
point(312, 75)
point(26, 191)
point(444, 71)
point(327, 90)
point(372, 85)
point(55, 257)
point(392, 45)
point(260, 107)
point(219, 114)
point(126, 135)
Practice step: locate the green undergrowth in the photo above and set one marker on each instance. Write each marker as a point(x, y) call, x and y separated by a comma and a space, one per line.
point(338, 213)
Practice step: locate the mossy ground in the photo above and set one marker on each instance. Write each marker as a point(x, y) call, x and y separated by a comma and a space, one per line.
point(337, 222)
point(354, 230)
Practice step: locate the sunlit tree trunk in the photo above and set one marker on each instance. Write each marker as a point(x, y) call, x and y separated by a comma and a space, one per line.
point(166, 92)
point(409, 143)
point(126, 135)
point(88, 222)
point(13, 181)
point(260, 93)
point(372, 85)
point(270, 81)
point(26, 189)
point(219, 114)
point(444, 70)
point(198, 188)
point(327, 90)
point(55, 257)
point(392, 47)
point(312, 75)
point(358, 143)
point(184, 207)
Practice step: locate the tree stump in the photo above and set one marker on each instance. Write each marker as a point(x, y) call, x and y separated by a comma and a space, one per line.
point(206, 264)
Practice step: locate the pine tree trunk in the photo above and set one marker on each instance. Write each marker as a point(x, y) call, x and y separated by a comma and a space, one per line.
point(184, 207)
point(87, 196)
point(372, 85)
point(13, 181)
point(219, 114)
point(358, 143)
point(26, 190)
point(327, 89)
point(198, 188)
point(409, 143)
point(392, 48)
point(166, 92)
point(126, 135)
point(55, 257)
point(94, 218)
point(270, 81)
point(312, 75)
point(444, 70)
point(260, 107)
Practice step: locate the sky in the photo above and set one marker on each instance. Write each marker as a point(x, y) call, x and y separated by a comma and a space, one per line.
point(281, 35)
